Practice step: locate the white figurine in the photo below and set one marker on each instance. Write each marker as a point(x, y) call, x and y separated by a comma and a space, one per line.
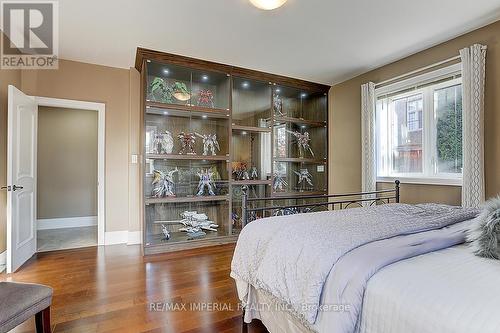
point(163, 143)
point(303, 142)
point(163, 183)
point(209, 143)
point(206, 180)
point(194, 222)
point(304, 177)
point(279, 183)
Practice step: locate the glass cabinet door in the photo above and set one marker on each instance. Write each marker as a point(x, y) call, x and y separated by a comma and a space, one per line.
point(177, 85)
point(300, 140)
point(299, 177)
point(251, 103)
point(295, 103)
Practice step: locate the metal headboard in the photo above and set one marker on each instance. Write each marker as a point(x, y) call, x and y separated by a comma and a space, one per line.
point(336, 201)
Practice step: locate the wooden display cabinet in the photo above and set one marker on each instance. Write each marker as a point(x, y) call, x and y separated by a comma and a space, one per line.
point(247, 111)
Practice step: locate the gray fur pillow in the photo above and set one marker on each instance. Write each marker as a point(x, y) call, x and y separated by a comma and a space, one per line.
point(484, 234)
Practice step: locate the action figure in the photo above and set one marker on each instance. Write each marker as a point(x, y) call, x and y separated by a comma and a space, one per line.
point(206, 98)
point(206, 180)
point(193, 222)
point(278, 105)
point(279, 183)
point(209, 143)
point(163, 143)
point(163, 183)
point(304, 177)
point(302, 142)
point(187, 143)
point(165, 232)
point(253, 173)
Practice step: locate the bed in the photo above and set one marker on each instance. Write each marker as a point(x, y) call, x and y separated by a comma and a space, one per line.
point(419, 280)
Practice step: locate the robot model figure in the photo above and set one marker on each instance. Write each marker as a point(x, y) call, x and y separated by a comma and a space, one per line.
point(209, 143)
point(278, 105)
point(279, 183)
point(254, 174)
point(206, 98)
point(198, 221)
point(303, 142)
point(187, 143)
point(240, 171)
point(165, 232)
point(163, 183)
point(304, 177)
point(206, 180)
point(163, 143)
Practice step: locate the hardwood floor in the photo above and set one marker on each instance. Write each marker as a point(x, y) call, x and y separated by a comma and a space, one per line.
point(112, 289)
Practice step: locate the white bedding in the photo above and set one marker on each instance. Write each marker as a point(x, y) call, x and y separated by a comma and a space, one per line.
point(447, 291)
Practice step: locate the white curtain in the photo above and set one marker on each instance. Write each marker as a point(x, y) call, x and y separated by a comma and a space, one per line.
point(368, 159)
point(473, 73)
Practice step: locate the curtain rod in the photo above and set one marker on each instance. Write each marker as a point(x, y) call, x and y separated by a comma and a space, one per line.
point(397, 78)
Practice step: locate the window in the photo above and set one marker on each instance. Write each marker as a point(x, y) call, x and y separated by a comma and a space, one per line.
point(419, 132)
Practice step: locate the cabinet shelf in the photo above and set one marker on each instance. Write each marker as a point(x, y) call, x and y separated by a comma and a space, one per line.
point(300, 121)
point(149, 201)
point(251, 182)
point(187, 108)
point(187, 157)
point(300, 160)
point(251, 129)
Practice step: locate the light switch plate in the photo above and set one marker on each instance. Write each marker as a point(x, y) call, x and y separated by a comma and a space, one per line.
point(135, 159)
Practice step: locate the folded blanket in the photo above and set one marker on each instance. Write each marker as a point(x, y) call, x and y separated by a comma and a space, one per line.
point(290, 257)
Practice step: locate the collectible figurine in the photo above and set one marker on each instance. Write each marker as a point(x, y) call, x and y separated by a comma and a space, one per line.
point(302, 142)
point(279, 183)
point(253, 173)
point(206, 180)
point(163, 143)
point(193, 222)
point(165, 232)
point(163, 183)
point(239, 169)
point(209, 143)
point(187, 143)
point(304, 177)
point(206, 98)
point(278, 105)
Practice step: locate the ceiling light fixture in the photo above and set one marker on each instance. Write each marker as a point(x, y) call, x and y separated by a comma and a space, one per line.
point(268, 4)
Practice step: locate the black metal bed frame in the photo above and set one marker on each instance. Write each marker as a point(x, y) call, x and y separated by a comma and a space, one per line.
point(336, 201)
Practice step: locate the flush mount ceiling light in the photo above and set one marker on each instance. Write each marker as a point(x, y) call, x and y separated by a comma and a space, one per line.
point(268, 4)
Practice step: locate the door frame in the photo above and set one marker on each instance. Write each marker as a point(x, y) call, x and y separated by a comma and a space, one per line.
point(101, 150)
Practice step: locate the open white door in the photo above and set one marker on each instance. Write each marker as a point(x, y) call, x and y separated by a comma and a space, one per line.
point(21, 178)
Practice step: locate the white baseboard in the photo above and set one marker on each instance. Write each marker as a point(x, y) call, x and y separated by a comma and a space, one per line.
point(122, 237)
point(67, 222)
point(3, 261)
point(134, 237)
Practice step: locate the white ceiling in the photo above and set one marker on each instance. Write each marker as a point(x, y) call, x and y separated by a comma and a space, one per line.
point(326, 41)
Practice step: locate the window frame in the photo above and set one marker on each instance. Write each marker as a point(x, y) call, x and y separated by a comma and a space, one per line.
point(421, 85)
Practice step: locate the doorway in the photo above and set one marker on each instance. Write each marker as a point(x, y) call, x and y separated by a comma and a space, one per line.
point(22, 180)
point(67, 152)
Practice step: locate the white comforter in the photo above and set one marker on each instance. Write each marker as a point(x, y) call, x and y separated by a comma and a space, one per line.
point(291, 257)
point(448, 291)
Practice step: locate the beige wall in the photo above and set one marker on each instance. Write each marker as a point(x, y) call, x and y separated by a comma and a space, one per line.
point(87, 82)
point(345, 119)
point(67, 163)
